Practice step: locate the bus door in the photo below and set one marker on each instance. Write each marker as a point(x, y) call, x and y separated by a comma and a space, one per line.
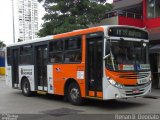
point(15, 60)
point(41, 67)
point(94, 70)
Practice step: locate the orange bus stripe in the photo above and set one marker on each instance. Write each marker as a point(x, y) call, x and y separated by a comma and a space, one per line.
point(78, 32)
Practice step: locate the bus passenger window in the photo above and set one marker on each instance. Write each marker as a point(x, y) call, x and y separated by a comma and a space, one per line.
point(9, 56)
point(73, 56)
point(73, 43)
point(56, 46)
point(26, 55)
point(78, 57)
point(55, 57)
point(55, 51)
point(73, 50)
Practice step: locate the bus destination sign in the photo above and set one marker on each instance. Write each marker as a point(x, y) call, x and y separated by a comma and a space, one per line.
point(127, 32)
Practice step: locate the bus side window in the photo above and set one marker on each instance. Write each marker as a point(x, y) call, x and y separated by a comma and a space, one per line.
point(73, 50)
point(26, 55)
point(8, 56)
point(73, 56)
point(78, 57)
point(55, 51)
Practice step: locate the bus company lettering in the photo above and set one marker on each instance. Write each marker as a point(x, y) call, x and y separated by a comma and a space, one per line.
point(26, 71)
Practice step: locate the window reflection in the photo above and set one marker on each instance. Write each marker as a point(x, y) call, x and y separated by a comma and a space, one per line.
point(153, 8)
point(127, 53)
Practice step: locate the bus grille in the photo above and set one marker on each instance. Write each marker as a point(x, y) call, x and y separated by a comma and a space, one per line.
point(134, 76)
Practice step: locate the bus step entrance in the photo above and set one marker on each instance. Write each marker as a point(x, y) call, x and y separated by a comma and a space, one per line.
point(41, 92)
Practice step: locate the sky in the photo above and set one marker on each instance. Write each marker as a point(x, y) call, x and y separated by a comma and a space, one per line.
point(6, 20)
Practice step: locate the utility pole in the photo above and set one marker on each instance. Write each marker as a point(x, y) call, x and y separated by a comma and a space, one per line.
point(13, 21)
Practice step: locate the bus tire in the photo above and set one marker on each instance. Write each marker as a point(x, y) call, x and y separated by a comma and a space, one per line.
point(26, 89)
point(74, 94)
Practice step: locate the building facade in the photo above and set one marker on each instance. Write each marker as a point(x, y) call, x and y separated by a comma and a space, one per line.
point(144, 14)
point(25, 18)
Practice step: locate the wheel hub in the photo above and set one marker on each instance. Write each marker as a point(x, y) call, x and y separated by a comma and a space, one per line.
point(26, 87)
point(74, 94)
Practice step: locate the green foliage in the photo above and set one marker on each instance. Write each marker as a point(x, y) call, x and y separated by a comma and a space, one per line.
point(67, 15)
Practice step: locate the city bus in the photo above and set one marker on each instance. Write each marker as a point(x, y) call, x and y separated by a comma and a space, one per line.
point(105, 63)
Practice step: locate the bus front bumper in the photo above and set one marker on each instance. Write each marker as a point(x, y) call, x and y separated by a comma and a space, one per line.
point(112, 92)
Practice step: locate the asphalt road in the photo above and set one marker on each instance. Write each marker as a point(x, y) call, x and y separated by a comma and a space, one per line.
point(49, 107)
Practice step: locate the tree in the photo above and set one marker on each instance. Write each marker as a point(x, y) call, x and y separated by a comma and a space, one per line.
point(2, 44)
point(67, 15)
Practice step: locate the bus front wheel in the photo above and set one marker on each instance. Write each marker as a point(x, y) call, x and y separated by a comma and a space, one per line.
point(26, 90)
point(74, 94)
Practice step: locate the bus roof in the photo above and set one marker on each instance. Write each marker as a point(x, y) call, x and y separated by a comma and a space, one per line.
point(70, 34)
point(62, 35)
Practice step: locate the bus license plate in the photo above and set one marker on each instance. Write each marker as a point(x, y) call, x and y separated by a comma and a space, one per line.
point(142, 81)
point(136, 91)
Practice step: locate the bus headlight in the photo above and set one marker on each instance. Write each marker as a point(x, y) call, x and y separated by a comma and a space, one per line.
point(114, 83)
point(150, 79)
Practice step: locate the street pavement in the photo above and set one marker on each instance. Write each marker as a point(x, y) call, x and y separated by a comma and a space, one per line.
point(49, 107)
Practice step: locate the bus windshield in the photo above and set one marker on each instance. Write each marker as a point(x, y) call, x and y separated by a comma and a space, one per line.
point(127, 55)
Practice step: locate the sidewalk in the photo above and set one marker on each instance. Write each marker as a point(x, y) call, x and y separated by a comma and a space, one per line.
point(2, 77)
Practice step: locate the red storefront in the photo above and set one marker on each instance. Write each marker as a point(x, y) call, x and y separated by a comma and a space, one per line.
point(151, 21)
point(140, 13)
point(144, 14)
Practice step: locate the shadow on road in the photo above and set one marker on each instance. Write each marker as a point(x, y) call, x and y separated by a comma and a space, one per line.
point(114, 104)
point(109, 105)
